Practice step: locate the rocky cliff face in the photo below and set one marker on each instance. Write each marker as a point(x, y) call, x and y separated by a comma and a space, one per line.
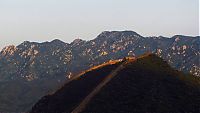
point(31, 60)
point(56, 60)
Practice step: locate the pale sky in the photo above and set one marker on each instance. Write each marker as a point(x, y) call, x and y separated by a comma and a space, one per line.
point(45, 20)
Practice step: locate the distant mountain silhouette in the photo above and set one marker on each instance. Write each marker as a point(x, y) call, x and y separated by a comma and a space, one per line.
point(48, 65)
point(146, 84)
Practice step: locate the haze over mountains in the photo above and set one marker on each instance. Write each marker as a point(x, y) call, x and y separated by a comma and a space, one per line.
point(43, 67)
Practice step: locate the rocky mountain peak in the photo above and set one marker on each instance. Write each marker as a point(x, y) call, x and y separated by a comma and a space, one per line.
point(57, 41)
point(77, 41)
point(115, 34)
point(26, 43)
point(8, 50)
point(33, 62)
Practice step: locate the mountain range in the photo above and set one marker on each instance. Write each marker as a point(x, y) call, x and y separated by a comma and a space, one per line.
point(146, 84)
point(43, 67)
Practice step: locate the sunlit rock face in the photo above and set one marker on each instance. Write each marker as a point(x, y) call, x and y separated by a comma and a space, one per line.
point(34, 69)
point(8, 50)
point(31, 60)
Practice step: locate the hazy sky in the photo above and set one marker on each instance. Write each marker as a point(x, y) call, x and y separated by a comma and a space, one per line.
point(45, 20)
